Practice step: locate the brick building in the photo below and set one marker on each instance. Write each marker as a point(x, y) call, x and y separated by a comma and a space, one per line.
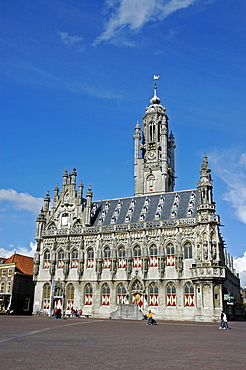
point(16, 284)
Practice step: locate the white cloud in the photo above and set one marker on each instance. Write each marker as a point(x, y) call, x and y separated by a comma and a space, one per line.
point(21, 200)
point(134, 14)
point(240, 267)
point(71, 41)
point(230, 166)
point(20, 250)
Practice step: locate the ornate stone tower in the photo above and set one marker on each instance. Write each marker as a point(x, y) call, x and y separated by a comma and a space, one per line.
point(154, 156)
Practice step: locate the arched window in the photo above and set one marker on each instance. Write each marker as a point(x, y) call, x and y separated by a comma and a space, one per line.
point(153, 256)
point(189, 295)
point(61, 256)
point(137, 256)
point(105, 295)
point(75, 258)
point(46, 296)
point(150, 182)
point(122, 257)
point(153, 294)
point(171, 295)
point(90, 258)
point(121, 294)
point(107, 263)
point(70, 296)
point(170, 255)
point(88, 294)
point(46, 264)
point(188, 251)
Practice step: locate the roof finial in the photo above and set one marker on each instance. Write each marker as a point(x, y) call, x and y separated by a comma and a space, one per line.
point(155, 85)
point(155, 99)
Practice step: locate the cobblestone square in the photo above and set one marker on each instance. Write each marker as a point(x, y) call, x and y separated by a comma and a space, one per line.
point(45, 343)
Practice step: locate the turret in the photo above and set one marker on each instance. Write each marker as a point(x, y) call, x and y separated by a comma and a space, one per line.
point(154, 169)
point(205, 188)
point(89, 196)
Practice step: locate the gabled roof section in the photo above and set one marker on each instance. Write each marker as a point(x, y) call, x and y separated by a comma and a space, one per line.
point(24, 264)
point(180, 204)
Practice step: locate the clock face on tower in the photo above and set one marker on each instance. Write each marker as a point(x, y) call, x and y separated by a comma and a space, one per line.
point(151, 154)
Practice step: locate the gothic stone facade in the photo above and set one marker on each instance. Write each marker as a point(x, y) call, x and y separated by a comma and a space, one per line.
point(160, 249)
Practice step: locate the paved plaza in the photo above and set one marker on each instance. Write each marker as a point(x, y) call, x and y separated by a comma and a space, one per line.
point(44, 343)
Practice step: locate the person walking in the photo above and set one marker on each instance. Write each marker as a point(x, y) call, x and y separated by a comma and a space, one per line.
point(222, 324)
point(225, 322)
point(150, 318)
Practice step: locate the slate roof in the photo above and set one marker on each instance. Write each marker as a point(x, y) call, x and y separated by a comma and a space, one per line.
point(24, 264)
point(180, 204)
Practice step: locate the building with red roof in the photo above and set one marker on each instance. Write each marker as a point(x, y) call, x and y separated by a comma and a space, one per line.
point(16, 284)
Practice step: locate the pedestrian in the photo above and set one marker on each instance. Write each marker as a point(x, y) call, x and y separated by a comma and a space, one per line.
point(150, 318)
point(225, 322)
point(221, 320)
point(55, 313)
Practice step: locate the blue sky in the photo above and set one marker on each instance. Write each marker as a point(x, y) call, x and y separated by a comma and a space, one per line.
point(77, 76)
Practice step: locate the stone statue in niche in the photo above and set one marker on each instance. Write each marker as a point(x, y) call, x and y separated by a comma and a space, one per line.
point(205, 250)
point(199, 252)
point(214, 251)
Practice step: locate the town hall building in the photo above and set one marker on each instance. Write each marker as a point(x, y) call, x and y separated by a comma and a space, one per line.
point(160, 249)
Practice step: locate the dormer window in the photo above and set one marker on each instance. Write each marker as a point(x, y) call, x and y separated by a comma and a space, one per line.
point(162, 199)
point(173, 215)
point(191, 204)
point(132, 203)
point(142, 217)
point(113, 220)
point(159, 208)
point(190, 212)
point(177, 198)
point(146, 201)
point(130, 210)
point(119, 204)
point(145, 209)
point(192, 197)
point(107, 205)
point(100, 221)
point(175, 206)
point(127, 219)
point(157, 215)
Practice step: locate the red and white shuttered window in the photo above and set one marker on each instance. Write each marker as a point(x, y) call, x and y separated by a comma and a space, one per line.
point(105, 295)
point(137, 256)
point(46, 296)
point(75, 259)
point(88, 294)
point(153, 256)
point(122, 257)
point(121, 294)
point(46, 264)
point(189, 295)
point(90, 258)
point(70, 297)
point(106, 260)
point(170, 255)
point(61, 256)
point(171, 295)
point(153, 295)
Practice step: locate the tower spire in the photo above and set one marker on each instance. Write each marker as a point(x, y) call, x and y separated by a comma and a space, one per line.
point(154, 155)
